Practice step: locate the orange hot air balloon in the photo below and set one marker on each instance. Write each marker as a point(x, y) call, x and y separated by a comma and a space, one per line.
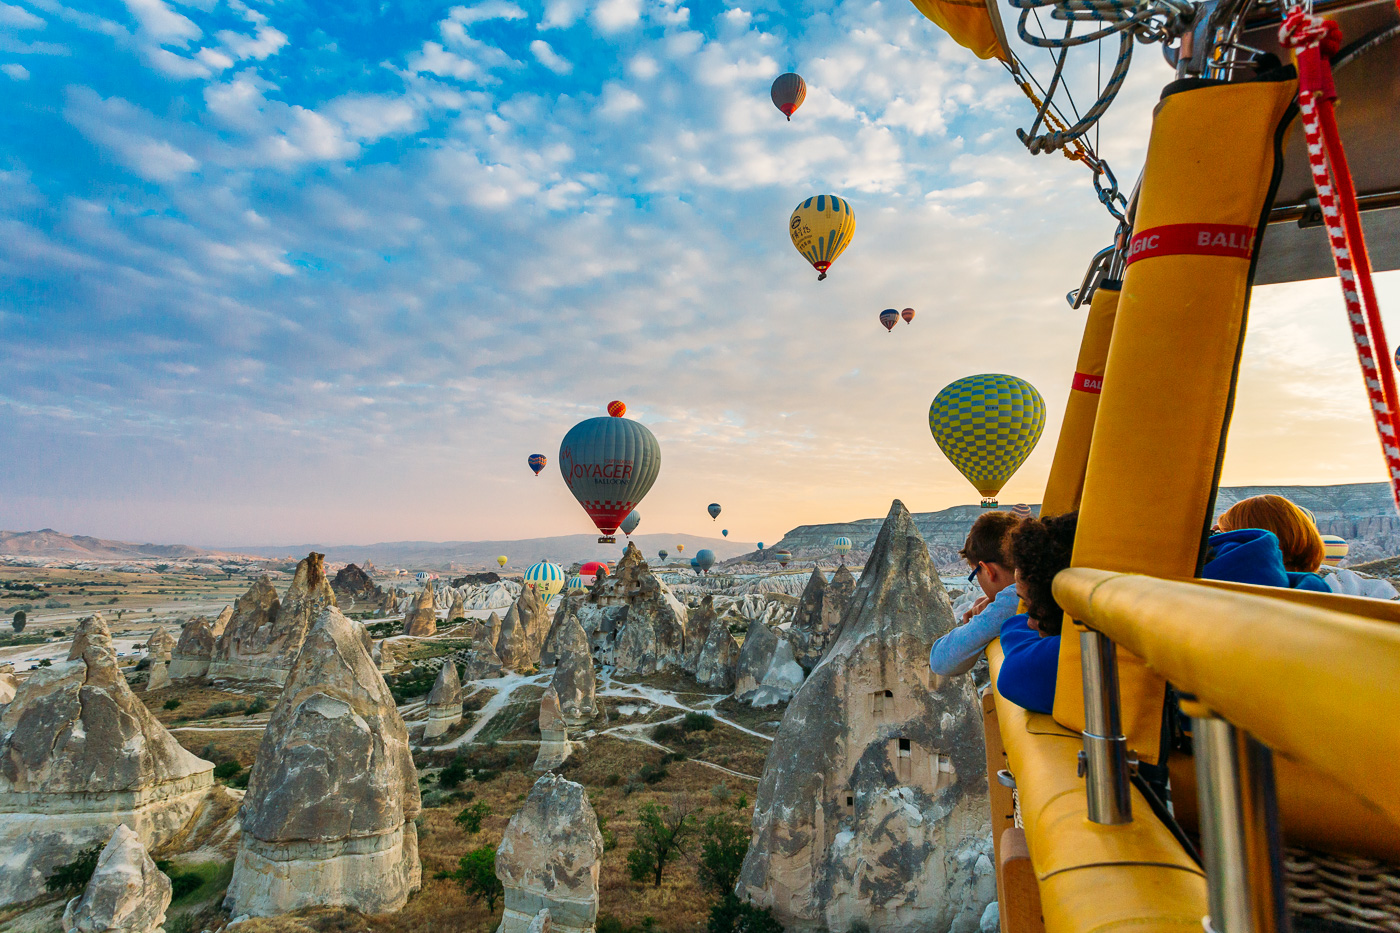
point(788, 93)
point(907, 314)
point(617, 409)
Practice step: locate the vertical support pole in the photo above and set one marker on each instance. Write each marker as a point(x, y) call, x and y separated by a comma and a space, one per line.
point(1239, 830)
point(1105, 746)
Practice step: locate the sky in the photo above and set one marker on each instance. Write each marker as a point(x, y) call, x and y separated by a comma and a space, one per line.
point(329, 271)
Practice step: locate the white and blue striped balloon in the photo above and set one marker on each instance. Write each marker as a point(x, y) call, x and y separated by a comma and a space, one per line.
point(548, 579)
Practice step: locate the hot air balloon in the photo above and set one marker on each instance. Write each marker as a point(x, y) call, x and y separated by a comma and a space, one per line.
point(725, 532)
point(575, 584)
point(713, 509)
point(694, 564)
point(537, 462)
point(1021, 511)
point(680, 548)
point(548, 579)
point(609, 464)
point(663, 554)
point(617, 409)
point(592, 570)
point(630, 523)
point(788, 92)
point(842, 545)
point(421, 577)
point(889, 317)
point(907, 314)
point(821, 228)
point(986, 426)
point(705, 559)
point(760, 545)
point(783, 556)
point(1334, 550)
point(501, 561)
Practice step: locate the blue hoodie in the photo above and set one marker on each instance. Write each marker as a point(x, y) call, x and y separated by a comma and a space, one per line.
point(1247, 555)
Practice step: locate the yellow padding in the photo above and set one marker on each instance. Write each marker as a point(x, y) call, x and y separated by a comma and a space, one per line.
point(1066, 482)
point(1318, 687)
point(1379, 610)
point(1169, 382)
point(1092, 877)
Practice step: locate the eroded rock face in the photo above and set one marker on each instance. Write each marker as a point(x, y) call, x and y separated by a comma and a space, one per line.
point(768, 672)
point(549, 859)
point(421, 620)
point(554, 734)
point(633, 620)
point(493, 630)
point(718, 664)
point(534, 619)
point(565, 608)
point(698, 624)
point(873, 804)
point(159, 675)
point(126, 894)
point(355, 590)
point(385, 649)
point(195, 649)
point(444, 701)
point(458, 609)
point(160, 645)
point(574, 680)
point(79, 753)
point(8, 684)
point(818, 615)
point(265, 634)
point(515, 649)
point(482, 663)
point(328, 818)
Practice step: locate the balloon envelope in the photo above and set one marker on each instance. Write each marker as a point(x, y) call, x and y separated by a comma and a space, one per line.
point(783, 556)
point(889, 317)
point(537, 462)
point(907, 314)
point(630, 523)
point(843, 545)
point(725, 532)
point(617, 409)
point(591, 570)
point(705, 559)
point(986, 426)
point(609, 464)
point(713, 509)
point(760, 545)
point(501, 561)
point(788, 92)
point(680, 548)
point(548, 579)
point(694, 564)
point(1334, 550)
point(576, 584)
point(821, 228)
point(663, 554)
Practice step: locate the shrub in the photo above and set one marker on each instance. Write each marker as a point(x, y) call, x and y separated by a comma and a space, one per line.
point(182, 885)
point(46, 663)
point(485, 775)
point(742, 803)
point(697, 722)
point(171, 704)
point(612, 780)
point(227, 769)
point(476, 873)
point(731, 915)
point(19, 621)
point(221, 709)
point(454, 773)
point(241, 781)
point(721, 792)
point(653, 774)
point(725, 844)
point(470, 818)
point(666, 732)
point(75, 875)
point(255, 707)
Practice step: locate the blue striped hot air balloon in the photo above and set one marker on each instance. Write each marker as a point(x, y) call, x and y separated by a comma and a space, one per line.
point(842, 545)
point(821, 228)
point(609, 464)
point(576, 584)
point(548, 579)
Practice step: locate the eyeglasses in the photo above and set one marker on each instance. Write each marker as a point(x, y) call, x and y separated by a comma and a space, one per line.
point(972, 577)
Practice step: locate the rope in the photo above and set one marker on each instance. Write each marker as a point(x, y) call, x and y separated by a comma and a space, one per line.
point(1313, 41)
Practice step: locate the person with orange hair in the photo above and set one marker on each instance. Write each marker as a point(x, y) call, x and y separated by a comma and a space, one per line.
point(1269, 541)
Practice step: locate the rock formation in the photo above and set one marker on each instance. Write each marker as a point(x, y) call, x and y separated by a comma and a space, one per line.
point(873, 804)
point(554, 734)
point(328, 818)
point(265, 634)
point(421, 620)
point(633, 620)
point(698, 623)
point(549, 859)
point(534, 619)
point(386, 659)
point(493, 630)
point(158, 649)
point(565, 608)
point(515, 649)
point(458, 609)
point(126, 894)
point(543, 923)
point(444, 701)
point(195, 649)
point(355, 590)
point(767, 673)
point(718, 664)
point(574, 678)
point(482, 663)
point(79, 753)
point(8, 684)
point(818, 615)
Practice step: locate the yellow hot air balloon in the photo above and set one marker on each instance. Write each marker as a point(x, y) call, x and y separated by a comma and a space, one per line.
point(975, 26)
point(986, 426)
point(502, 560)
point(821, 228)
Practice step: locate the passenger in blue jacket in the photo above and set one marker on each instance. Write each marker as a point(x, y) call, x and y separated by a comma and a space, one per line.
point(985, 552)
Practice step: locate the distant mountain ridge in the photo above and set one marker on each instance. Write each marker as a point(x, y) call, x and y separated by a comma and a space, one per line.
point(49, 543)
point(1363, 513)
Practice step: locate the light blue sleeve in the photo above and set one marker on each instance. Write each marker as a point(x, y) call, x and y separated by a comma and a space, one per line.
point(957, 651)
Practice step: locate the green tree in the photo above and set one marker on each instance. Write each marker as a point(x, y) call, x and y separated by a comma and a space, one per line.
point(171, 704)
point(20, 620)
point(731, 915)
point(470, 818)
point(476, 873)
point(659, 838)
point(722, 853)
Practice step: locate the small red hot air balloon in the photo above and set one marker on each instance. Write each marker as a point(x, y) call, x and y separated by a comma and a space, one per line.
point(617, 409)
point(788, 93)
point(907, 314)
point(889, 317)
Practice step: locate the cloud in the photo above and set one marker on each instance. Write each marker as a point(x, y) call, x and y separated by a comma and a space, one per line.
point(486, 10)
point(115, 126)
point(158, 21)
point(15, 17)
point(15, 72)
point(616, 15)
point(549, 58)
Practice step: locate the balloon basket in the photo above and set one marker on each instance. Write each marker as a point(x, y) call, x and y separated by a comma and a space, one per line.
point(989, 503)
point(607, 539)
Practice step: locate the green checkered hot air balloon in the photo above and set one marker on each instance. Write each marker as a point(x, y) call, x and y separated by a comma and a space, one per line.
point(986, 426)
